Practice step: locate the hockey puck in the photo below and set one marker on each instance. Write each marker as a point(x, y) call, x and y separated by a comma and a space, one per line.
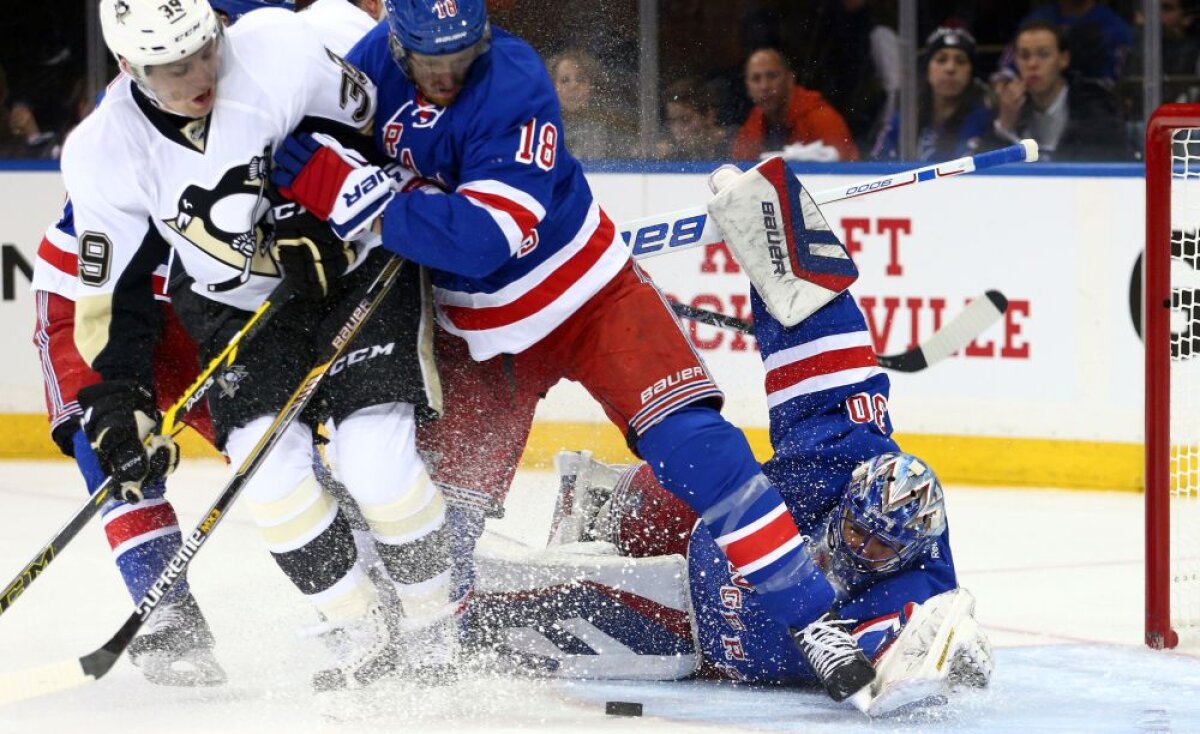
point(622, 708)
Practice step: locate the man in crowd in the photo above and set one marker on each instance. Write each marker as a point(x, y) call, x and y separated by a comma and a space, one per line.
point(786, 113)
point(1071, 119)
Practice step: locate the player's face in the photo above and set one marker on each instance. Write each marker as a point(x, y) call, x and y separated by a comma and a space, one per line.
point(187, 87)
point(1039, 62)
point(865, 545)
point(768, 81)
point(441, 78)
point(949, 72)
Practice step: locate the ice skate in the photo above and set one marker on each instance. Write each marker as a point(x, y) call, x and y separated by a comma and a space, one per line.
point(835, 657)
point(177, 647)
point(364, 651)
point(430, 654)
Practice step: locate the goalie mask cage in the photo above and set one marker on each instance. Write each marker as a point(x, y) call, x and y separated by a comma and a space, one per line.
point(1172, 403)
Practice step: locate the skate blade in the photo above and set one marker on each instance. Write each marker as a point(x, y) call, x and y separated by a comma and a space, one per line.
point(194, 670)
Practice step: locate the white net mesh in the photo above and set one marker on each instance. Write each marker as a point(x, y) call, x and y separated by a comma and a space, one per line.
point(1185, 373)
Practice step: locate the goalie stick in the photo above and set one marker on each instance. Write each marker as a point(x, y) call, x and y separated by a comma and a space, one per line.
point(22, 685)
point(692, 227)
point(169, 424)
point(960, 331)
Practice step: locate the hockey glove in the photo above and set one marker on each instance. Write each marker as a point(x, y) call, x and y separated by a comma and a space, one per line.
point(118, 417)
point(334, 183)
point(313, 258)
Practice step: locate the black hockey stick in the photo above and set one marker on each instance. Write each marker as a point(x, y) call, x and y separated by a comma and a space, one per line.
point(22, 685)
point(961, 330)
point(169, 424)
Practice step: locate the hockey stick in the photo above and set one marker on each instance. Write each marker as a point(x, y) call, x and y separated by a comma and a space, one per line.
point(169, 424)
point(961, 330)
point(688, 228)
point(22, 685)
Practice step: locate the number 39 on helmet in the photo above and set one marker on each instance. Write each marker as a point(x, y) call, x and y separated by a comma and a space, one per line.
point(152, 32)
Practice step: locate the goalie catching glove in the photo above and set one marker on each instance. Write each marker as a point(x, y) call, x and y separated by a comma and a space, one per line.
point(333, 182)
point(118, 418)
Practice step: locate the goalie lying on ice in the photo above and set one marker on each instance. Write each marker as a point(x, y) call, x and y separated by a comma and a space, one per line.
point(635, 585)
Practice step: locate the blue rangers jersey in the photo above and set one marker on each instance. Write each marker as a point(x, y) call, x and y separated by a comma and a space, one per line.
point(519, 243)
point(828, 413)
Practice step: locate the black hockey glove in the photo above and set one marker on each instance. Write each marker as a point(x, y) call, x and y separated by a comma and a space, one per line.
point(118, 416)
point(312, 256)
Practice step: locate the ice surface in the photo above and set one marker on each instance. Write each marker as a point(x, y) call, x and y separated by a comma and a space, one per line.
point(1057, 575)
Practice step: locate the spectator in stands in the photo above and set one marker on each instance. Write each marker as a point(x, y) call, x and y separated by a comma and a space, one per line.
point(594, 129)
point(1077, 119)
point(786, 113)
point(1180, 47)
point(33, 142)
point(692, 132)
point(10, 144)
point(953, 110)
point(1101, 39)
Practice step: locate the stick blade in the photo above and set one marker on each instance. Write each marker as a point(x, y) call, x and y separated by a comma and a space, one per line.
point(963, 329)
point(26, 684)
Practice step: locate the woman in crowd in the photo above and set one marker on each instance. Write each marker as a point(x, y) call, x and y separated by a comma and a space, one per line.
point(592, 129)
point(954, 110)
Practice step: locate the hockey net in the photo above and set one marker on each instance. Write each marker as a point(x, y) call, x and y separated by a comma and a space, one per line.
point(1172, 338)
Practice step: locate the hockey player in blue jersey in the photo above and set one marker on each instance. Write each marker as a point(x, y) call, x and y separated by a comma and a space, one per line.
point(530, 272)
point(621, 547)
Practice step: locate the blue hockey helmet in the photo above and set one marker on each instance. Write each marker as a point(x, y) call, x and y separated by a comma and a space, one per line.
point(892, 512)
point(436, 27)
point(234, 9)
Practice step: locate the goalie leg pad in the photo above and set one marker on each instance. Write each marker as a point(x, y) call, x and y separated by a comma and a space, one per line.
point(778, 235)
point(585, 612)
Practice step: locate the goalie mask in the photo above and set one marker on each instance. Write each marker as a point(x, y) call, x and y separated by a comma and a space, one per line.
point(892, 512)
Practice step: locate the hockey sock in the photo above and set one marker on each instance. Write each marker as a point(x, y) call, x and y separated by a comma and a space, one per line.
point(307, 534)
point(701, 458)
point(376, 458)
point(143, 536)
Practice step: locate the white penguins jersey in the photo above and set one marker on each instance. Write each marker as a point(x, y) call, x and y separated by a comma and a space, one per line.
point(202, 186)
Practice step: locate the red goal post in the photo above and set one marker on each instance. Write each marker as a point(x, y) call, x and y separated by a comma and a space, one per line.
point(1172, 344)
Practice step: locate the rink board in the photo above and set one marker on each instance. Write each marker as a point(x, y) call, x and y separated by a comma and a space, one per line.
point(1049, 396)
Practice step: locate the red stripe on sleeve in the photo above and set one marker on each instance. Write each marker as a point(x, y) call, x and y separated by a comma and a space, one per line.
point(542, 295)
point(525, 219)
point(64, 261)
point(820, 364)
point(761, 542)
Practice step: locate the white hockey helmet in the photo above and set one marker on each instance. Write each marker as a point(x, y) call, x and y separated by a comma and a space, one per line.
point(152, 32)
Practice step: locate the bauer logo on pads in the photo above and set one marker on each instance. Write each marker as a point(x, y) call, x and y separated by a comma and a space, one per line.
point(774, 229)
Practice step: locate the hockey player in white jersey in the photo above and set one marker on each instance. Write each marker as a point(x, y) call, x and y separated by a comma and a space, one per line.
point(180, 146)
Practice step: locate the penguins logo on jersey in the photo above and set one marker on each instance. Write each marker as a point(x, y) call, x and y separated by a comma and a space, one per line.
point(227, 222)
